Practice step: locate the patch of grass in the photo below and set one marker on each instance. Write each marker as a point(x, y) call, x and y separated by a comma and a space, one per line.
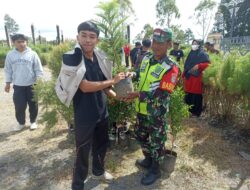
point(185, 168)
point(112, 164)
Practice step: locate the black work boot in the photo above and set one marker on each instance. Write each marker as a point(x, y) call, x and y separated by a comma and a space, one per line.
point(145, 163)
point(153, 174)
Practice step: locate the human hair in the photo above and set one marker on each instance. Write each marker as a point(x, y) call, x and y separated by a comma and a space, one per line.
point(19, 37)
point(88, 26)
point(146, 43)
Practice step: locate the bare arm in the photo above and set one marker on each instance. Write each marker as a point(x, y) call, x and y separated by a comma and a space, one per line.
point(94, 86)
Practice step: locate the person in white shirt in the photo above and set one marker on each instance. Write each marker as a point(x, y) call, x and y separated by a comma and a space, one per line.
point(22, 68)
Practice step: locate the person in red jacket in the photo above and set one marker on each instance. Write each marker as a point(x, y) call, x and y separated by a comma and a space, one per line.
point(196, 62)
point(126, 50)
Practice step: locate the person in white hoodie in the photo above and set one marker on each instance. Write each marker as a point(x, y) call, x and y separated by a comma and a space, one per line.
point(22, 68)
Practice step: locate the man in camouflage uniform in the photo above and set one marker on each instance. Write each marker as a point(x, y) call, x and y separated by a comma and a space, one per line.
point(158, 76)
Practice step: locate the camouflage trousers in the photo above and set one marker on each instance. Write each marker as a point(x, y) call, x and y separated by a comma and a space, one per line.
point(151, 134)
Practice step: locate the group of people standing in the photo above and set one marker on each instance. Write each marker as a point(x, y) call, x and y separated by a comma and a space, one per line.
point(86, 78)
point(196, 62)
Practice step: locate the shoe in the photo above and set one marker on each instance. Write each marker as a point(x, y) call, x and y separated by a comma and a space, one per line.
point(122, 135)
point(33, 126)
point(106, 177)
point(145, 163)
point(112, 137)
point(71, 127)
point(153, 174)
point(19, 127)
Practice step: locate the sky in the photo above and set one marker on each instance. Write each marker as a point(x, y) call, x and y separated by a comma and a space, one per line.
point(68, 14)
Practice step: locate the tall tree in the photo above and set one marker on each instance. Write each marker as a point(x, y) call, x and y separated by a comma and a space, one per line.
point(125, 7)
point(204, 13)
point(179, 34)
point(232, 18)
point(243, 22)
point(166, 10)
point(189, 35)
point(147, 32)
point(11, 24)
point(222, 20)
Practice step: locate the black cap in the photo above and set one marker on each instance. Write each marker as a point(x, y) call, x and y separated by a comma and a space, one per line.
point(146, 43)
point(88, 26)
point(19, 37)
point(137, 43)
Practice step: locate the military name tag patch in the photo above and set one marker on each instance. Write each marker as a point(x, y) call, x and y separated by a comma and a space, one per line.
point(157, 72)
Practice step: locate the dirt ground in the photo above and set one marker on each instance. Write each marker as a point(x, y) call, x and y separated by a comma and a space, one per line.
point(208, 158)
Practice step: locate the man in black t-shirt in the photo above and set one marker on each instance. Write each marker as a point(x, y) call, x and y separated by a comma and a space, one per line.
point(134, 52)
point(177, 53)
point(146, 45)
point(90, 108)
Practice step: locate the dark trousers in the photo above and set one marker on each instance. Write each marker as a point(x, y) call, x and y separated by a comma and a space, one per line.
point(195, 100)
point(93, 135)
point(22, 96)
point(127, 60)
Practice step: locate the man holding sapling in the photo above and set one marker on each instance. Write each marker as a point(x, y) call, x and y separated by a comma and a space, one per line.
point(86, 76)
point(158, 77)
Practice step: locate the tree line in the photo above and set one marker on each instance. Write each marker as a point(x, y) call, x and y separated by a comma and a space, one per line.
point(232, 18)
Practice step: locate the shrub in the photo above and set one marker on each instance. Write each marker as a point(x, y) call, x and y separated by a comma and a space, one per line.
point(56, 58)
point(227, 89)
point(121, 112)
point(3, 53)
point(45, 58)
point(210, 76)
point(238, 83)
point(53, 109)
point(178, 110)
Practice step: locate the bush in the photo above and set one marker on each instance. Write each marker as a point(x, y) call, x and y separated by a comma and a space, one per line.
point(41, 48)
point(43, 51)
point(227, 89)
point(45, 58)
point(3, 53)
point(178, 110)
point(238, 83)
point(210, 77)
point(53, 109)
point(121, 112)
point(56, 58)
